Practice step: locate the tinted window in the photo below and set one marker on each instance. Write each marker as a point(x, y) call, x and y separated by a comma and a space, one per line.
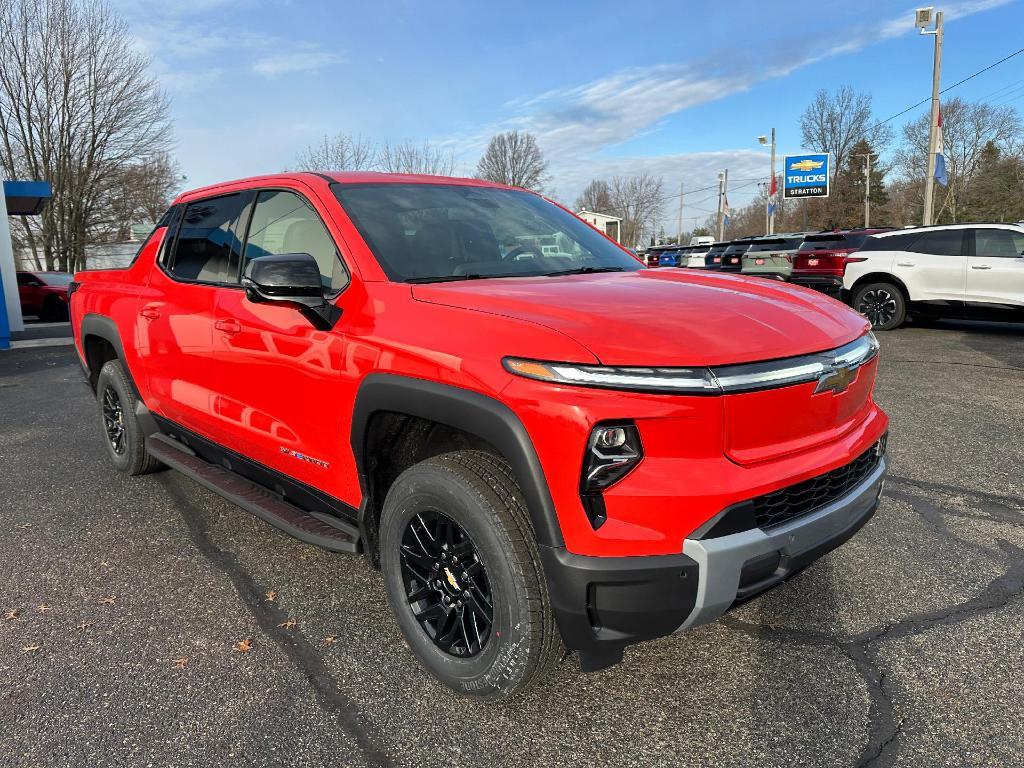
point(207, 249)
point(29, 280)
point(57, 278)
point(436, 231)
point(768, 245)
point(946, 242)
point(998, 242)
point(901, 242)
point(284, 222)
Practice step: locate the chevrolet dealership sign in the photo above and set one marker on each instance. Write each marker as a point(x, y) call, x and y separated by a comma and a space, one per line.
point(805, 176)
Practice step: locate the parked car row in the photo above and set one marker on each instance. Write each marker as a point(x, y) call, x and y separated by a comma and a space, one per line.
point(961, 270)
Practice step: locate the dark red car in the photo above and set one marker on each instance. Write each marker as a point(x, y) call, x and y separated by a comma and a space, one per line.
point(403, 366)
point(44, 294)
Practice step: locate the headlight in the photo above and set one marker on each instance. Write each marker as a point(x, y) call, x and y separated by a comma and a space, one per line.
point(687, 380)
point(613, 451)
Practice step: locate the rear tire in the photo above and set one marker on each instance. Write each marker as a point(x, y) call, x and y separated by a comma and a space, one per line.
point(883, 304)
point(122, 433)
point(467, 505)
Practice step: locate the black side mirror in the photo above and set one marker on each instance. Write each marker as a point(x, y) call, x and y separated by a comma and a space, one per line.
point(290, 278)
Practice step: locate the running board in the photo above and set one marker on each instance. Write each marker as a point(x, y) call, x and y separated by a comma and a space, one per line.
point(320, 530)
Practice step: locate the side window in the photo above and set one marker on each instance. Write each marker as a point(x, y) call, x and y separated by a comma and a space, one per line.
point(999, 243)
point(28, 280)
point(944, 242)
point(283, 222)
point(207, 249)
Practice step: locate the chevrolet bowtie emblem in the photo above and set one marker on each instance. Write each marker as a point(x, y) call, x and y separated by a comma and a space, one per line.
point(836, 380)
point(806, 165)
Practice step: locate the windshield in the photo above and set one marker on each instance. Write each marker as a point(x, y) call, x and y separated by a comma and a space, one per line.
point(433, 232)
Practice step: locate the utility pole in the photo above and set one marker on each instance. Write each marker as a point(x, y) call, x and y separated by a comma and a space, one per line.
point(771, 183)
point(923, 19)
point(679, 230)
point(723, 186)
point(867, 190)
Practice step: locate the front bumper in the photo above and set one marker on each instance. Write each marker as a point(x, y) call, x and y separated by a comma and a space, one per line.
point(603, 604)
point(734, 568)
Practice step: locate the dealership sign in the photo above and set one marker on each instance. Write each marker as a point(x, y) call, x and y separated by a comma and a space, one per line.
point(805, 175)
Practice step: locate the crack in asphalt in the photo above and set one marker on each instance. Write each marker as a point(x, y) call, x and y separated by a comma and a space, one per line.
point(955, 362)
point(268, 616)
point(885, 726)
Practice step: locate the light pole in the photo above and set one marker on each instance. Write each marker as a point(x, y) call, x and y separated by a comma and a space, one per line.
point(723, 189)
point(922, 19)
point(771, 184)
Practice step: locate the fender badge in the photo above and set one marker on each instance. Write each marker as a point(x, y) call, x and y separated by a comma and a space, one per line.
point(303, 457)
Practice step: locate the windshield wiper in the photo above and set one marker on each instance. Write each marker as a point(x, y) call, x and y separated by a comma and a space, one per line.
point(472, 276)
point(583, 271)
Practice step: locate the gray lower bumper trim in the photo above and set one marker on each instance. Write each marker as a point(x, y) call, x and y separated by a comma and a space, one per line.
point(721, 560)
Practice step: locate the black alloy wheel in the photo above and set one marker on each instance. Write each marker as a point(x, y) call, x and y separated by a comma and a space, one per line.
point(878, 306)
point(113, 420)
point(446, 584)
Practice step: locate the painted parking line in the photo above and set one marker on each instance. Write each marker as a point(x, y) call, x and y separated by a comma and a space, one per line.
point(64, 324)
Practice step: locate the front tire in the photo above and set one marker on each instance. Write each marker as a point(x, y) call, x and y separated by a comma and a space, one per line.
point(122, 434)
point(883, 304)
point(463, 576)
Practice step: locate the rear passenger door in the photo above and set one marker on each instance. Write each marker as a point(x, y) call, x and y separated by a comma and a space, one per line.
point(934, 268)
point(175, 324)
point(285, 394)
point(995, 275)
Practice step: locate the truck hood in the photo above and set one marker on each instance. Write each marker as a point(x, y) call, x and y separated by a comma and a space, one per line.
point(662, 317)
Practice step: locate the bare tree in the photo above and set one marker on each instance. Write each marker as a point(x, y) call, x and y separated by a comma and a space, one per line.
point(77, 107)
point(341, 152)
point(833, 123)
point(140, 193)
point(638, 200)
point(596, 196)
point(411, 158)
point(513, 158)
point(967, 129)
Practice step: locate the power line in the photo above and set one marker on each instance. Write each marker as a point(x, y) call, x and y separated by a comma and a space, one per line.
point(954, 85)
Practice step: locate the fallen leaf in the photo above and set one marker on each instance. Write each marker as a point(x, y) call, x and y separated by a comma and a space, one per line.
point(290, 624)
point(44, 608)
point(181, 663)
point(108, 600)
point(85, 625)
point(11, 615)
point(30, 648)
point(243, 646)
point(271, 596)
point(330, 640)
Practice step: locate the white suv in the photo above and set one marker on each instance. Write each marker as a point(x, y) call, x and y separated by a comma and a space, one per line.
point(964, 269)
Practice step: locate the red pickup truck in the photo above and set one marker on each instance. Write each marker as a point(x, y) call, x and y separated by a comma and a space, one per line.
point(355, 359)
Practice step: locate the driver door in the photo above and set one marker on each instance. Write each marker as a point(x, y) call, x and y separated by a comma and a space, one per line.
point(285, 391)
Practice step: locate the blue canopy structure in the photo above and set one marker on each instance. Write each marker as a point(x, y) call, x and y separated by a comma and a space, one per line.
point(20, 198)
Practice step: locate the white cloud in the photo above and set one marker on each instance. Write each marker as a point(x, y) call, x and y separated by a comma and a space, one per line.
point(300, 60)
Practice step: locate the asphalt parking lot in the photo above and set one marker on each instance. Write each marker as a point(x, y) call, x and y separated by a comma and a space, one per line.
point(905, 647)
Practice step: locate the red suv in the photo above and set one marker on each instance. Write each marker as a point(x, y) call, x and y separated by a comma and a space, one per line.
point(44, 294)
point(821, 260)
point(355, 359)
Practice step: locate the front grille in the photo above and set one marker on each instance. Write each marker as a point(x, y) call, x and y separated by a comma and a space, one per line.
point(781, 506)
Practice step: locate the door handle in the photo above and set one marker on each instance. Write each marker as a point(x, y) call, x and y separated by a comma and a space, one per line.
point(981, 266)
point(905, 263)
point(230, 326)
point(150, 312)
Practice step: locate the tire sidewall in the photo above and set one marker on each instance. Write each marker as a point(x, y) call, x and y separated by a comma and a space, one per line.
point(503, 662)
point(112, 375)
point(901, 304)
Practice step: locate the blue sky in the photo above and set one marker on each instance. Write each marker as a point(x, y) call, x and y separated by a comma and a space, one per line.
point(680, 89)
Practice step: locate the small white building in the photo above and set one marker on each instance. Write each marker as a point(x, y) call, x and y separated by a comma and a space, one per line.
point(610, 225)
